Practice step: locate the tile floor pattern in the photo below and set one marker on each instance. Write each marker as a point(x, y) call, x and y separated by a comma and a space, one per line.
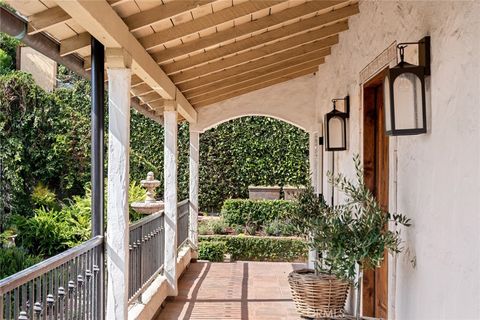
point(233, 291)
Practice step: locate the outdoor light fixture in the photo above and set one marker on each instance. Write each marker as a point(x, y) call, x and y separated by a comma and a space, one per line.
point(336, 126)
point(404, 92)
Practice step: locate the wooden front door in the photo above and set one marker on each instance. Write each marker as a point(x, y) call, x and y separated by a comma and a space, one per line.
point(375, 142)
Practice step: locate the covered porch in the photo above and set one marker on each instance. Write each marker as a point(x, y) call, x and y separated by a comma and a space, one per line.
point(207, 62)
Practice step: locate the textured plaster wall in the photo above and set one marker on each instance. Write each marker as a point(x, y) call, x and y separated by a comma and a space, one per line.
point(292, 101)
point(435, 178)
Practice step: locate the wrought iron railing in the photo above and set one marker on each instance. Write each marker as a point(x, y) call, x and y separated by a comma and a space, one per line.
point(183, 210)
point(147, 247)
point(63, 287)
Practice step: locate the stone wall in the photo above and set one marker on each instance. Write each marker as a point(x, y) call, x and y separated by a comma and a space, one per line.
point(434, 178)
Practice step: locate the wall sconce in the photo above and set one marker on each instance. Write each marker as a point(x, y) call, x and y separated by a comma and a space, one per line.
point(404, 92)
point(336, 126)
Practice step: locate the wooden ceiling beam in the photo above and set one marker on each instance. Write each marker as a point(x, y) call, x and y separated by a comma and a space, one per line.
point(205, 22)
point(287, 31)
point(102, 22)
point(75, 43)
point(289, 69)
point(259, 53)
point(161, 12)
point(243, 29)
point(150, 97)
point(295, 55)
point(141, 90)
point(46, 19)
point(255, 87)
point(135, 22)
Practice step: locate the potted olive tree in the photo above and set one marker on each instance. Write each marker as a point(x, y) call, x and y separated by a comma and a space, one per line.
point(351, 237)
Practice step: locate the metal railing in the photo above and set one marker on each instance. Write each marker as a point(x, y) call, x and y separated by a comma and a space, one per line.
point(147, 247)
point(183, 210)
point(62, 287)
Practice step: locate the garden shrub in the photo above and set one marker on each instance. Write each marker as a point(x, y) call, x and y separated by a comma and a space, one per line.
point(15, 259)
point(255, 213)
point(213, 251)
point(279, 227)
point(261, 248)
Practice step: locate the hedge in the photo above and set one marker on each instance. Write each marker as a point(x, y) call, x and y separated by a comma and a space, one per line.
point(253, 248)
point(255, 213)
point(212, 250)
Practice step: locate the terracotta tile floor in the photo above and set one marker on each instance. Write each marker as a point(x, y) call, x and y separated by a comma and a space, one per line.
point(231, 291)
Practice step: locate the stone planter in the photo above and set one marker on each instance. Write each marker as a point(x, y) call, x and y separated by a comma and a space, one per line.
point(264, 193)
point(291, 193)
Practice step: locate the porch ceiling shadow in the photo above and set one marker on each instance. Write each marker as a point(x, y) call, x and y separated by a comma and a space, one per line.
point(197, 51)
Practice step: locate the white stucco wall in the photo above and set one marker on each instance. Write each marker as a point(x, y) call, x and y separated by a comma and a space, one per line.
point(437, 174)
point(292, 101)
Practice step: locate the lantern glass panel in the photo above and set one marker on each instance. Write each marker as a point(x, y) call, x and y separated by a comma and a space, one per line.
point(386, 103)
point(407, 90)
point(336, 132)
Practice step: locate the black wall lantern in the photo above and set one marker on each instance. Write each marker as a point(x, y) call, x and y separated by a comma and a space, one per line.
point(336, 126)
point(404, 92)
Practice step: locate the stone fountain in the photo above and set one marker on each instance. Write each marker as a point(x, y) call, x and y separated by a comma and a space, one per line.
point(150, 205)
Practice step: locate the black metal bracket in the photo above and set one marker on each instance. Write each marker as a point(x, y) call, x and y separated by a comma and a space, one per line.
point(423, 52)
point(346, 104)
point(320, 141)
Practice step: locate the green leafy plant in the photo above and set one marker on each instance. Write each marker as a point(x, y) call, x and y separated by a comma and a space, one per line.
point(44, 197)
point(280, 228)
point(15, 259)
point(255, 248)
point(358, 230)
point(213, 251)
point(255, 214)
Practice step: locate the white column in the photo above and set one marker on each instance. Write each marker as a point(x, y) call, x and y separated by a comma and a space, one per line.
point(313, 162)
point(170, 198)
point(193, 189)
point(118, 181)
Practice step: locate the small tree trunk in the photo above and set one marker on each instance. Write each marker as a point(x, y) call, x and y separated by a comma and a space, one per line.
point(359, 292)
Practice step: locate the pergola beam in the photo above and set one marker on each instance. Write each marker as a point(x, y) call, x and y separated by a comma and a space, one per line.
point(290, 44)
point(244, 29)
point(297, 55)
point(102, 22)
point(259, 75)
point(75, 43)
point(256, 87)
point(205, 22)
point(253, 78)
point(287, 31)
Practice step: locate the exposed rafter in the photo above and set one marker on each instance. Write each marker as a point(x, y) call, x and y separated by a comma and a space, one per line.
point(205, 22)
point(243, 29)
point(257, 54)
point(136, 22)
point(301, 54)
point(100, 20)
point(46, 19)
point(255, 87)
point(329, 34)
point(247, 80)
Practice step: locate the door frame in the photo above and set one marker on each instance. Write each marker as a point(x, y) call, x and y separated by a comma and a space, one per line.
point(375, 164)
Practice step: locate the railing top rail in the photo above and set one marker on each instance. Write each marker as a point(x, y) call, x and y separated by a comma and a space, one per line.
point(182, 203)
point(45, 266)
point(145, 220)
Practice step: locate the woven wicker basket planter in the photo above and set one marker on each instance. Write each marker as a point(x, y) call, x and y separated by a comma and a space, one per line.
point(318, 296)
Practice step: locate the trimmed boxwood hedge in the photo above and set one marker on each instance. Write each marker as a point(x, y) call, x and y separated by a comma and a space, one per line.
point(253, 248)
point(255, 212)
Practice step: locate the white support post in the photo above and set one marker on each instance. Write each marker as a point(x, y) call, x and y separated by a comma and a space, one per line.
point(170, 198)
point(313, 162)
point(119, 75)
point(193, 190)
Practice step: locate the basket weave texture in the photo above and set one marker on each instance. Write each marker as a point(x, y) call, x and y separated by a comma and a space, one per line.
point(318, 296)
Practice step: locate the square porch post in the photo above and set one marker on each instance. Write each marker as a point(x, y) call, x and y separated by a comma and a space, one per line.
point(193, 186)
point(170, 117)
point(119, 80)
